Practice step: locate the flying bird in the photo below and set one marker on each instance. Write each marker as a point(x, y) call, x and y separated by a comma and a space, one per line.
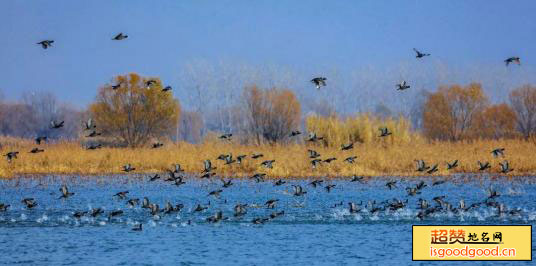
point(419, 54)
point(513, 59)
point(402, 86)
point(319, 82)
point(120, 37)
point(46, 43)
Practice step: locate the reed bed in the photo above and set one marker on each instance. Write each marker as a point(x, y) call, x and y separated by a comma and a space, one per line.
point(292, 161)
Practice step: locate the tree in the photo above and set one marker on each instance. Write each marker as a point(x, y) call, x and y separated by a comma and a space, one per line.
point(134, 112)
point(270, 114)
point(495, 122)
point(449, 113)
point(190, 127)
point(523, 101)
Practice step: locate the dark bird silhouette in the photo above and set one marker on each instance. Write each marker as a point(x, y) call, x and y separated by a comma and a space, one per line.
point(89, 124)
point(412, 191)
point(353, 207)
point(145, 203)
point(208, 175)
point(260, 220)
point(65, 192)
point(155, 177)
point(357, 178)
point(4, 207)
point(329, 160)
point(227, 136)
point(433, 169)
point(93, 134)
point(240, 209)
point(128, 168)
point(316, 183)
point(36, 150)
point(256, 156)
point(329, 187)
point(513, 59)
point(114, 214)
point(116, 86)
point(421, 166)
point(295, 133)
point(29, 202)
point(228, 183)
point(133, 202)
point(259, 177)
point(239, 158)
point(452, 165)
point(79, 214)
point(229, 159)
point(498, 152)
point(279, 182)
point(270, 204)
point(483, 166)
point(348, 146)
point(419, 54)
point(157, 145)
point(178, 168)
point(137, 227)
point(420, 185)
point(208, 166)
point(46, 43)
point(150, 83)
point(11, 155)
point(94, 146)
point(120, 37)
point(38, 140)
point(167, 88)
point(384, 132)
point(215, 193)
point(319, 82)
point(268, 163)
point(313, 137)
point(179, 181)
point(505, 167)
point(439, 182)
point(216, 218)
point(298, 190)
point(350, 159)
point(200, 208)
point(121, 194)
point(316, 162)
point(96, 212)
point(391, 184)
point(274, 215)
point(313, 154)
point(402, 86)
point(55, 125)
point(492, 193)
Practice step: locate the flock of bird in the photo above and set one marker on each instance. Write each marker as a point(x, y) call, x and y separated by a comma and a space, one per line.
point(274, 208)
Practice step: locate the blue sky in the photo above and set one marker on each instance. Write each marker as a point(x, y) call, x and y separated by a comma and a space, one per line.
point(309, 36)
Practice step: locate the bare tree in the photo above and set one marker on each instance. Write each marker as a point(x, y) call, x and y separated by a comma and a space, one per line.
point(523, 101)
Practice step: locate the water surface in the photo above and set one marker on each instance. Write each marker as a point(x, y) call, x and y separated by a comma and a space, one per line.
point(315, 229)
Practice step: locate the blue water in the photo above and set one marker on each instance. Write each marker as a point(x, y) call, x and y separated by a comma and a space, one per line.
point(311, 232)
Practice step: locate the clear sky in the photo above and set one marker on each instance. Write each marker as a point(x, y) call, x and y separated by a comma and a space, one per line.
point(306, 35)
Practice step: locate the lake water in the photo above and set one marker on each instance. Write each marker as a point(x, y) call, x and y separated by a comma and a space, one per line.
point(314, 229)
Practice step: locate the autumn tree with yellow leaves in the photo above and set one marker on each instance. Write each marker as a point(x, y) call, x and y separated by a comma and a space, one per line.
point(134, 109)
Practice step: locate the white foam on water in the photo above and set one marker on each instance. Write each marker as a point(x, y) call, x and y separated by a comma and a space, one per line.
point(23, 217)
point(102, 223)
point(152, 223)
point(42, 219)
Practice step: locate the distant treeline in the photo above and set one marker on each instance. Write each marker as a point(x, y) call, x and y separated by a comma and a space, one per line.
point(135, 111)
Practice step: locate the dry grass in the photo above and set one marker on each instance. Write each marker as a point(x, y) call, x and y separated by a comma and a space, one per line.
point(374, 159)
